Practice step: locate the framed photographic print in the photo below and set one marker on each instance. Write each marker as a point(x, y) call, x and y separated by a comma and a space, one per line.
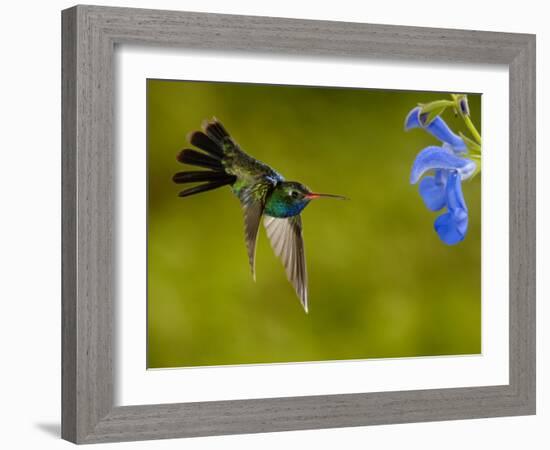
point(277, 224)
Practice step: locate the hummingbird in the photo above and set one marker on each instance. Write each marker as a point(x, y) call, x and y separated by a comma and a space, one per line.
point(262, 191)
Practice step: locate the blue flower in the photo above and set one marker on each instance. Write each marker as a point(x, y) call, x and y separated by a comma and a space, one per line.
point(444, 187)
point(437, 128)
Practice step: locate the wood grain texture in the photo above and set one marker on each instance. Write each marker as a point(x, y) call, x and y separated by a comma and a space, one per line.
point(523, 224)
point(68, 226)
point(90, 34)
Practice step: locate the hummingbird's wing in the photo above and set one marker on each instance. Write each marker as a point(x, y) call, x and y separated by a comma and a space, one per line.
point(253, 202)
point(287, 242)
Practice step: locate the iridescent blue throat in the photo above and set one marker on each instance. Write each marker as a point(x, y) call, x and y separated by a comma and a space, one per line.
point(278, 206)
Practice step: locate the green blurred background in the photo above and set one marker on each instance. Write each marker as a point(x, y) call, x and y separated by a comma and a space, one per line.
point(381, 283)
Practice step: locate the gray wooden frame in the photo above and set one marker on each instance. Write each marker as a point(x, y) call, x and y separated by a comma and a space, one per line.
point(89, 37)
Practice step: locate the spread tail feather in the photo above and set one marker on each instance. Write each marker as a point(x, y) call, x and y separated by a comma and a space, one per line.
point(228, 180)
point(212, 142)
point(202, 141)
point(213, 180)
point(195, 158)
point(215, 130)
point(199, 176)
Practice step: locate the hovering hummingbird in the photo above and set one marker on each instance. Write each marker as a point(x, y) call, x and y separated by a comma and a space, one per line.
point(261, 190)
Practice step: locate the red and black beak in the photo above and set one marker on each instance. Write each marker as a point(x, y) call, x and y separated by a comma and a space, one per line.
point(312, 195)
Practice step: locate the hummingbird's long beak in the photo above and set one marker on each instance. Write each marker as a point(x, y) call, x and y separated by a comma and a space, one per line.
point(313, 195)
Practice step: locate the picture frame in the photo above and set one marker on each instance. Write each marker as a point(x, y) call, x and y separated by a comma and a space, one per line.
point(89, 37)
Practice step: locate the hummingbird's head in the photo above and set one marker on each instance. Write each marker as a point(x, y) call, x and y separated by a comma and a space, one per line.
point(289, 198)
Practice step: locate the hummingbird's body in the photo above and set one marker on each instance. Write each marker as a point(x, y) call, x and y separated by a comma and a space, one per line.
point(261, 190)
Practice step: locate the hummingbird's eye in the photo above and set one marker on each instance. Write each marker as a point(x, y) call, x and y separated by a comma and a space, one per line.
point(294, 194)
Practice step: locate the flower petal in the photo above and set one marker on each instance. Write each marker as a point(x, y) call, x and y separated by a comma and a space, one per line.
point(413, 119)
point(453, 225)
point(438, 158)
point(432, 190)
point(441, 131)
point(447, 229)
point(455, 198)
point(437, 128)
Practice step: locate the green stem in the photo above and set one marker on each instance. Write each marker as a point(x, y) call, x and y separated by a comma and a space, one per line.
point(472, 129)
